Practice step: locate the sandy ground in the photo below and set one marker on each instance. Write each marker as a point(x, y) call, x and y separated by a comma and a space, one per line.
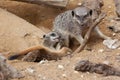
point(51, 70)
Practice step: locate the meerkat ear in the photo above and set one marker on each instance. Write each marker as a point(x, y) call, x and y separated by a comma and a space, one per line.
point(73, 14)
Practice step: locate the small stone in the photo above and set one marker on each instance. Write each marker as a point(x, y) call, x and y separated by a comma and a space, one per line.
point(101, 50)
point(79, 4)
point(82, 76)
point(30, 70)
point(64, 75)
point(76, 72)
point(88, 72)
point(106, 62)
point(109, 6)
point(43, 61)
point(112, 44)
point(114, 34)
point(60, 67)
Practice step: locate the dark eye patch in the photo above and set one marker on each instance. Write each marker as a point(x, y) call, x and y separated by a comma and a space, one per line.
point(44, 36)
point(91, 12)
point(88, 14)
point(53, 34)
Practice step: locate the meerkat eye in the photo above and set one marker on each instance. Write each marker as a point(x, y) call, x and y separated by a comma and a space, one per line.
point(44, 36)
point(90, 12)
point(53, 34)
point(73, 14)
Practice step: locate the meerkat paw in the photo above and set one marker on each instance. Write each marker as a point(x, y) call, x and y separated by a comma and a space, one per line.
point(66, 50)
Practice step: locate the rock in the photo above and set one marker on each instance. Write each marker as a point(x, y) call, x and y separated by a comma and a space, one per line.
point(64, 75)
point(82, 76)
point(112, 44)
point(7, 71)
point(76, 72)
point(79, 4)
point(114, 34)
point(109, 7)
point(101, 50)
point(30, 70)
point(43, 61)
point(106, 62)
point(60, 67)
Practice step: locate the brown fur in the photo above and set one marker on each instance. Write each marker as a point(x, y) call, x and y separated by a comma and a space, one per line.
point(54, 54)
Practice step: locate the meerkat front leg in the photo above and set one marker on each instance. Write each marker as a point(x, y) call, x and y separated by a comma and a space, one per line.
point(66, 40)
point(78, 37)
point(97, 30)
point(59, 46)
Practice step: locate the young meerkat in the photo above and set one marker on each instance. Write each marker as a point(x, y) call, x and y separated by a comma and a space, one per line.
point(72, 23)
point(53, 41)
point(32, 53)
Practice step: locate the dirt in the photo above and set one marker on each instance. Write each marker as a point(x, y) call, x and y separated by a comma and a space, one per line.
point(41, 15)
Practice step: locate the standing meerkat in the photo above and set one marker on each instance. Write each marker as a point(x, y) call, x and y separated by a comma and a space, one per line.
point(72, 23)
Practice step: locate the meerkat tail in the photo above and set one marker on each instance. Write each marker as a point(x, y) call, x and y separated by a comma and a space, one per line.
point(24, 52)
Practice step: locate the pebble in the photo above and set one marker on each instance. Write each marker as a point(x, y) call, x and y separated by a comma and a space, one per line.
point(60, 67)
point(76, 72)
point(30, 70)
point(82, 76)
point(79, 4)
point(43, 61)
point(112, 44)
point(106, 62)
point(114, 34)
point(64, 75)
point(109, 6)
point(101, 50)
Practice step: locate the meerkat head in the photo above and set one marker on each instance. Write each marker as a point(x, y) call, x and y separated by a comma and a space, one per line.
point(82, 14)
point(52, 36)
point(51, 39)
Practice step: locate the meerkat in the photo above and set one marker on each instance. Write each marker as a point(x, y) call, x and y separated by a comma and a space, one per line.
point(72, 23)
point(42, 50)
point(53, 41)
